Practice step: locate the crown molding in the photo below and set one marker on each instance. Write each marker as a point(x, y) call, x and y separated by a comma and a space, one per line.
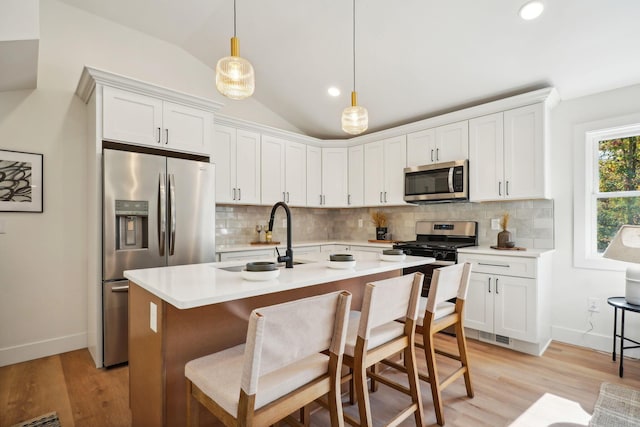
point(93, 76)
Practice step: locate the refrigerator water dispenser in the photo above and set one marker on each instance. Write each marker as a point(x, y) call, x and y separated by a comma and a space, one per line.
point(132, 224)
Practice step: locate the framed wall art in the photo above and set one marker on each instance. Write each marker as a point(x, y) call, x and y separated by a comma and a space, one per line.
point(20, 181)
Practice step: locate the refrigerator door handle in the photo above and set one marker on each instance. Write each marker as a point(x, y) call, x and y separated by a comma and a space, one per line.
point(172, 214)
point(162, 214)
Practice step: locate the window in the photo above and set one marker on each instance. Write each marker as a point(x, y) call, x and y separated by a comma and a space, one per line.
point(616, 192)
point(606, 185)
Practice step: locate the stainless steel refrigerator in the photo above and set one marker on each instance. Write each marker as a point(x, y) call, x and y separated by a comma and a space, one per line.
point(157, 211)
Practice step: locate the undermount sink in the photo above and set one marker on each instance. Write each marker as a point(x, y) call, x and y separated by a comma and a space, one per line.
point(239, 268)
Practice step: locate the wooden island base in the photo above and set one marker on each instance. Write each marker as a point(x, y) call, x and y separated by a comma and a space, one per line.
point(157, 359)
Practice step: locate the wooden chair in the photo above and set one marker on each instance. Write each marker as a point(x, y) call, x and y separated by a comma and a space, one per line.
point(438, 314)
point(374, 334)
point(293, 356)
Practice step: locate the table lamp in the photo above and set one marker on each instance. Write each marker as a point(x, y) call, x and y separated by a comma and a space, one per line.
point(625, 246)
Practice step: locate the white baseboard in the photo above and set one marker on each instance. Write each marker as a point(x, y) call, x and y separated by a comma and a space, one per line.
point(583, 339)
point(35, 350)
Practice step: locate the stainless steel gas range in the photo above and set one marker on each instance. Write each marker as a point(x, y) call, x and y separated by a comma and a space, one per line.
point(440, 240)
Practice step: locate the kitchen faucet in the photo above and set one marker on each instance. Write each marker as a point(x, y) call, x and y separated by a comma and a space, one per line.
point(288, 257)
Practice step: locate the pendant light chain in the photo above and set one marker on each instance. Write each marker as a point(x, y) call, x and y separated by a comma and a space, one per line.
point(355, 118)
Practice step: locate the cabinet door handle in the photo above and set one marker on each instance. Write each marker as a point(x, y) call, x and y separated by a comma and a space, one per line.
point(166, 131)
point(381, 197)
point(324, 199)
point(321, 199)
point(506, 188)
point(494, 265)
point(437, 154)
point(497, 286)
point(499, 188)
point(159, 132)
point(239, 194)
point(284, 197)
point(489, 286)
point(348, 199)
point(234, 194)
point(287, 197)
point(385, 197)
point(432, 154)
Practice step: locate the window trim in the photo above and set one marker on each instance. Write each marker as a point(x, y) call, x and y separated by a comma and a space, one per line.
point(584, 181)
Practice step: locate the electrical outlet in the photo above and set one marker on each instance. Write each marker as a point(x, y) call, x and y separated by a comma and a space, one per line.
point(495, 223)
point(593, 305)
point(360, 223)
point(153, 317)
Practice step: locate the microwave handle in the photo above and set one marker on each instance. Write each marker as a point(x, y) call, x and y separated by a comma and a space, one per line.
point(451, 180)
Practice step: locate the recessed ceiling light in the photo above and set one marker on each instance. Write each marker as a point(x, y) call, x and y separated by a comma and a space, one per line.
point(333, 91)
point(531, 10)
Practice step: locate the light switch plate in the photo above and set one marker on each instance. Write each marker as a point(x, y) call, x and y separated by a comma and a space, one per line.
point(153, 317)
point(495, 223)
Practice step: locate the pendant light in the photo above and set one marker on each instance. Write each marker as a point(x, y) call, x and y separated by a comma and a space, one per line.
point(355, 119)
point(235, 78)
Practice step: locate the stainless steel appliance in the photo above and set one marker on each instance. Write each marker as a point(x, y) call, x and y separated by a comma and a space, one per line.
point(157, 211)
point(440, 240)
point(439, 182)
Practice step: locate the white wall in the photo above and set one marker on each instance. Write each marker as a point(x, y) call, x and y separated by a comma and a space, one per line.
point(43, 258)
point(572, 286)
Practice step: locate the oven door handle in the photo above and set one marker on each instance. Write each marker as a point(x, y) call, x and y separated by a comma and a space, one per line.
point(442, 263)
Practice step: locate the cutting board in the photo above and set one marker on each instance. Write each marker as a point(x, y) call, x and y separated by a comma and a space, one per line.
point(515, 248)
point(265, 243)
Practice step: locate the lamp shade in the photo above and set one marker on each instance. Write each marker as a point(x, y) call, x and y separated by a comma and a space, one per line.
point(625, 246)
point(355, 119)
point(235, 77)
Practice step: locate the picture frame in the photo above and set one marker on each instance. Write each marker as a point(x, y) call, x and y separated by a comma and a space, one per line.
point(21, 182)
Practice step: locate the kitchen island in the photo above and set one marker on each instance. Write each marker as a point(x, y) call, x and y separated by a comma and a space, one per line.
point(180, 313)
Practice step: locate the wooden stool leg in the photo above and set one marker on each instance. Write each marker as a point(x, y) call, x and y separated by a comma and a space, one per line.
point(414, 382)
point(430, 355)
point(362, 394)
point(374, 385)
point(462, 348)
point(193, 407)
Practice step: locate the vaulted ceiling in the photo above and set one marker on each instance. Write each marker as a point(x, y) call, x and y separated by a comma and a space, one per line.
point(414, 58)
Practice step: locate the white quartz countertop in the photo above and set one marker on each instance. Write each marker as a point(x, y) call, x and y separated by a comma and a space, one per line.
point(196, 285)
point(250, 247)
point(486, 250)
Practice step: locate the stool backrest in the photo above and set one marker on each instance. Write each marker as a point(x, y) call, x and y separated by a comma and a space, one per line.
point(447, 283)
point(387, 300)
point(281, 334)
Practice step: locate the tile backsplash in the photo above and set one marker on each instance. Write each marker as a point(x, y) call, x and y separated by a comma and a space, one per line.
point(531, 222)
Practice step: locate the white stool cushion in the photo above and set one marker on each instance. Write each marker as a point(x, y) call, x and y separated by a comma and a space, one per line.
point(378, 335)
point(218, 375)
point(442, 309)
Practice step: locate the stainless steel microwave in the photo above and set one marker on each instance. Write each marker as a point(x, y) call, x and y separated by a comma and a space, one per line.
point(438, 182)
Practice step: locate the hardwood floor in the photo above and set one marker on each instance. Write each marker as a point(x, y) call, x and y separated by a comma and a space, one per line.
point(506, 384)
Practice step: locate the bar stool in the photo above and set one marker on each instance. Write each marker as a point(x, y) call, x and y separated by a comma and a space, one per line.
point(438, 314)
point(374, 334)
point(293, 356)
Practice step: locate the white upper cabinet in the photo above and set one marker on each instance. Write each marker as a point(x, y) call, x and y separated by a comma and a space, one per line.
point(284, 171)
point(437, 145)
point(525, 150)
point(335, 177)
point(384, 163)
point(356, 176)
point(507, 155)
point(295, 175)
point(236, 154)
point(314, 176)
point(140, 119)
point(327, 177)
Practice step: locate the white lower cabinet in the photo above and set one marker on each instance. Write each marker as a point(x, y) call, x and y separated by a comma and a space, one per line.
point(246, 255)
point(507, 300)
